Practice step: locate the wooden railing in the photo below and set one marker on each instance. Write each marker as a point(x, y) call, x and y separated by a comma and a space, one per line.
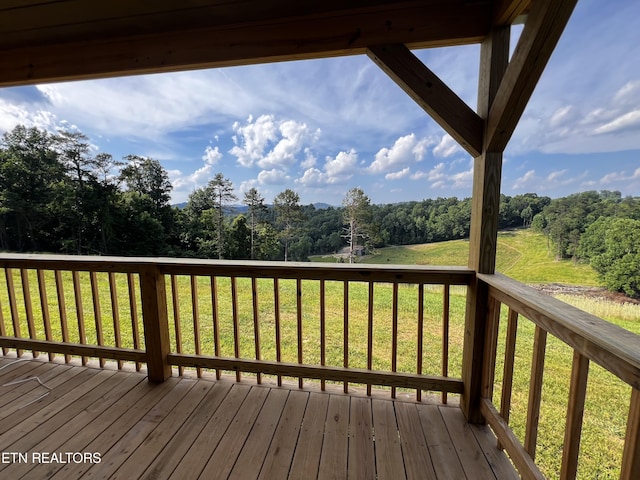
point(353, 324)
point(590, 338)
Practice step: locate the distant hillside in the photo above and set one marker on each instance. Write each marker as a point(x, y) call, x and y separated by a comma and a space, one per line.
point(522, 254)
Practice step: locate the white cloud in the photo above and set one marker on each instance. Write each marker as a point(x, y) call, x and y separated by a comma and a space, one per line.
point(273, 177)
point(269, 143)
point(14, 114)
point(313, 178)
point(211, 155)
point(553, 176)
point(629, 120)
point(405, 150)
point(252, 139)
point(526, 180)
point(447, 147)
point(397, 175)
point(343, 165)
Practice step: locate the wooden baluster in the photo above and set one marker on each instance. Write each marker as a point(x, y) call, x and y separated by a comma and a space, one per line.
point(236, 325)
point(445, 334)
point(3, 330)
point(299, 324)
point(370, 334)
point(420, 344)
point(216, 325)
point(256, 323)
point(345, 332)
point(156, 322)
point(276, 319)
point(13, 307)
point(195, 310)
point(115, 311)
point(575, 411)
point(535, 391)
point(97, 312)
point(28, 307)
point(323, 331)
point(62, 309)
point(631, 453)
point(394, 335)
point(44, 306)
point(175, 307)
point(133, 310)
point(509, 360)
point(77, 293)
point(491, 348)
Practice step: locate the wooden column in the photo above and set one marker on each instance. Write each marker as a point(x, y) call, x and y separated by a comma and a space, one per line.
point(485, 208)
point(156, 323)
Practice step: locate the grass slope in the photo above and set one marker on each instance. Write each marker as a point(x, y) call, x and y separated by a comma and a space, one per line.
point(522, 254)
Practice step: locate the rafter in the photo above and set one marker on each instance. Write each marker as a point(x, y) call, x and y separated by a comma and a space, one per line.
point(545, 23)
point(505, 12)
point(122, 37)
point(432, 94)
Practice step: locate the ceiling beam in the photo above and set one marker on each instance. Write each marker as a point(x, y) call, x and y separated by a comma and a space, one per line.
point(545, 23)
point(235, 38)
point(505, 12)
point(432, 94)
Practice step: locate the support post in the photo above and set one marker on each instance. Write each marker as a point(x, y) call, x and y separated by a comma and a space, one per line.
point(156, 323)
point(487, 172)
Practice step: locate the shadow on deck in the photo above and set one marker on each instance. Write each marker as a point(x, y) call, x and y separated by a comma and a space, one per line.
point(102, 423)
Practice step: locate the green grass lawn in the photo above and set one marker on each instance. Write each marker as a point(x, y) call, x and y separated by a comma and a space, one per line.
point(522, 254)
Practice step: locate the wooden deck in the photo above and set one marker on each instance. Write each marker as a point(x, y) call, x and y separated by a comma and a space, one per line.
point(187, 428)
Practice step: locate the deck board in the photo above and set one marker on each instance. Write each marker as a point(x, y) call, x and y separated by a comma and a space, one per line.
point(199, 428)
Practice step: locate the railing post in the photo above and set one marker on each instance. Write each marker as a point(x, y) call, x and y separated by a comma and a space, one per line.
point(631, 454)
point(487, 170)
point(156, 323)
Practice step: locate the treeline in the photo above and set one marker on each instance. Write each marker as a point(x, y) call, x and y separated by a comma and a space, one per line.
point(57, 196)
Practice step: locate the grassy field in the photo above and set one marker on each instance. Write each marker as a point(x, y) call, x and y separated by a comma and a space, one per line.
point(522, 255)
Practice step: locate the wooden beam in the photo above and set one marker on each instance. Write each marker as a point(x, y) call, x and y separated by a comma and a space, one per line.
point(432, 94)
point(545, 23)
point(631, 454)
point(338, 374)
point(229, 34)
point(67, 348)
point(505, 12)
point(156, 323)
point(484, 229)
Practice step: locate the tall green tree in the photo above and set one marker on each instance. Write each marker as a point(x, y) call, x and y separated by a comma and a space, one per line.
point(30, 173)
point(357, 217)
point(256, 209)
point(288, 216)
point(220, 192)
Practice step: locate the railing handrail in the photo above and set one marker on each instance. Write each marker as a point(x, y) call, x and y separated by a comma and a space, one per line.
point(610, 346)
point(245, 268)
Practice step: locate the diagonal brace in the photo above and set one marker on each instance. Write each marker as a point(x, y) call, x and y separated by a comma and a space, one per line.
point(432, 94)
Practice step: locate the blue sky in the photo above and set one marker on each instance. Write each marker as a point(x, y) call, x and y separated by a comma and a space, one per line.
point(322, 127)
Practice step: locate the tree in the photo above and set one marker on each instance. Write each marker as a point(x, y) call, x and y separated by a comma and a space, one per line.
point(357, 216)
point(147, 177)
point(30, 176)
point(255, 202)
point(288, 216)
point(612, 246)
point(220, 193)
point(239, 238)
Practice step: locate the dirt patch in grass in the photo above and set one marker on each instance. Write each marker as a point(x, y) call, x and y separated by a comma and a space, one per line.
point(579, 291)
